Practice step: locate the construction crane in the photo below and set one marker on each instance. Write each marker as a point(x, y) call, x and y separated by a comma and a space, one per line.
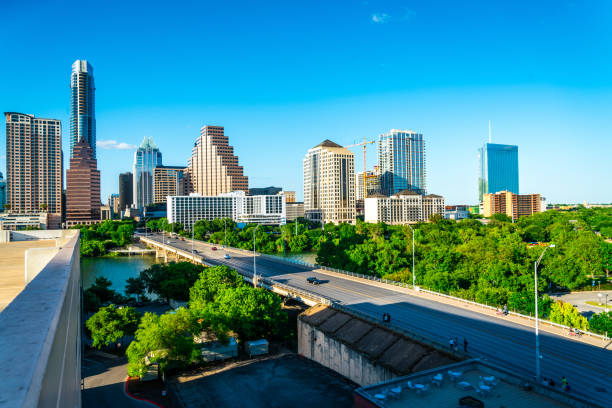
point(365, 143)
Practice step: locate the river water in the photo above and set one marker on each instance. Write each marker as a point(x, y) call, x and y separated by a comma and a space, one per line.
point(119, 269)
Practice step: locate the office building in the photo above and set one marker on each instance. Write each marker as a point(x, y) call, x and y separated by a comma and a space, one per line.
point(20, 222)
point(2, 192)
point(401, 161)
point(82, 186)
point(126, 190)
point(294, 210)
point(146, 159)
point(289, 196)
point(264, 190)
point(405, 207)
point(329, 184)
point(34, 165)
point(168, 181)
point(113, 203)
point(260, 209)
point(498, 165)
point(513, 205)
point(82, 105)
point(456, 212)
point(213, 167)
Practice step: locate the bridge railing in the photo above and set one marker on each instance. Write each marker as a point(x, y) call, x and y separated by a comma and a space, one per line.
point(409, 286)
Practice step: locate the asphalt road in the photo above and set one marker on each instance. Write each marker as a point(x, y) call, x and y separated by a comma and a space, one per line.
point(587, 368)
point(104, 383)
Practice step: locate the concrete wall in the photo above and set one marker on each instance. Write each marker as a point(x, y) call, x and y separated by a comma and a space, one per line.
point(40, 340)
point(39, 234)
point(316, 345)
point(36, 259)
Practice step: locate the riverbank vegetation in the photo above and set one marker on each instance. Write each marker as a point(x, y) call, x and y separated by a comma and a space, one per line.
point(221, 305)
point(97, 239)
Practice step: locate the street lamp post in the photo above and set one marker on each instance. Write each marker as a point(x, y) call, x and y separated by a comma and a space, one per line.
point(413, 271)
point(192, 238)
point(254, 262)
point(537, 320)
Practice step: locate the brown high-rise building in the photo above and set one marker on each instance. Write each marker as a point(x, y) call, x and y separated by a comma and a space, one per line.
point(213, 167)
point(168, 181)
point(513, 205)
point(82, 186)
point(34, 165)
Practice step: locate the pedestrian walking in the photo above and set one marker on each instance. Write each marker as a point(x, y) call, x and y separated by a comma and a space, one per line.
point(564, 384)
point(451, 343)
point(456, 343)
point(465, 344)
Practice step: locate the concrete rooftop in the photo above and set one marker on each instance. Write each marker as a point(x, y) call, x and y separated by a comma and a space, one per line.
point(12, 267)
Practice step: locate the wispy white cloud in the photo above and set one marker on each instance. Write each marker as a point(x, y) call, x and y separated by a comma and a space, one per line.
point(380, 18)
point(113, 144)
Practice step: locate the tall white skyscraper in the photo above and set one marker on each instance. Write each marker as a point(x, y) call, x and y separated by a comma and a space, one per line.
point(82, 105)
point(329, 183)
point(146, 158)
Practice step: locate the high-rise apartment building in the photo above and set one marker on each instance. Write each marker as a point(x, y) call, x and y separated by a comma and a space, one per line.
point(34, 165)
point(82, 186)
point(168, 181)
point(126, 190)
point(401, 160)
point(146, 159)
point(513, 205)
point(329, 183)
point(82, 105)
point(213, 168)
point(2, 192)
point(498, 169)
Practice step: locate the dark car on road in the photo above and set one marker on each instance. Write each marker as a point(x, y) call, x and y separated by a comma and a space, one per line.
point(313, 280)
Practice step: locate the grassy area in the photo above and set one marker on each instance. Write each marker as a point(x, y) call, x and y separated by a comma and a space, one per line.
point(593, 303)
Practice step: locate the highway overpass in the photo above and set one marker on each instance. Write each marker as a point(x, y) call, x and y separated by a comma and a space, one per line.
point(588, 368)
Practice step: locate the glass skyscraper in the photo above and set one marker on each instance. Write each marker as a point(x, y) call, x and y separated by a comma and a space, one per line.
point(146, 158)
point(82, 105)
point(498, 169)
point(401, 159)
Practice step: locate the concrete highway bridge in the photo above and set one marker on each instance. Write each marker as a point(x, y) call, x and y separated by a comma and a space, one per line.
point(506, 341)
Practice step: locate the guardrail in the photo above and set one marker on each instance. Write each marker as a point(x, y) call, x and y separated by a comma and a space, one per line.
point(408, 286)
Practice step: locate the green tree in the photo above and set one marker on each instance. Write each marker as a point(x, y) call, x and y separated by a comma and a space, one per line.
point(211, 282)
point(109, 324)
point(101, 288)
point(171, 281)
point(164, 339)
point(250, 313)
point(136, 286)
point(601, 323)
point(565, 313)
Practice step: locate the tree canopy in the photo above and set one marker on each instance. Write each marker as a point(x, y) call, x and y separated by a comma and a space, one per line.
point(109, 324)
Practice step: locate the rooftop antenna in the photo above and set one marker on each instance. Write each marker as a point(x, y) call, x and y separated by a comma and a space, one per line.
point(489, 130)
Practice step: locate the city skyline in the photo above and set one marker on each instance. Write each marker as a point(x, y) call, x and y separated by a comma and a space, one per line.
point(546, 90)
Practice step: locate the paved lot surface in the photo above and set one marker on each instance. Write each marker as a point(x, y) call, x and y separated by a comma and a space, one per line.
point(503, 341)
point(12, 266)
point(275, 382)
point(579, 300)
point(104, 383)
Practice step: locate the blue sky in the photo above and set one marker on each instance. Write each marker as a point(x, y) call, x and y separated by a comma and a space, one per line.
point(283, 76)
